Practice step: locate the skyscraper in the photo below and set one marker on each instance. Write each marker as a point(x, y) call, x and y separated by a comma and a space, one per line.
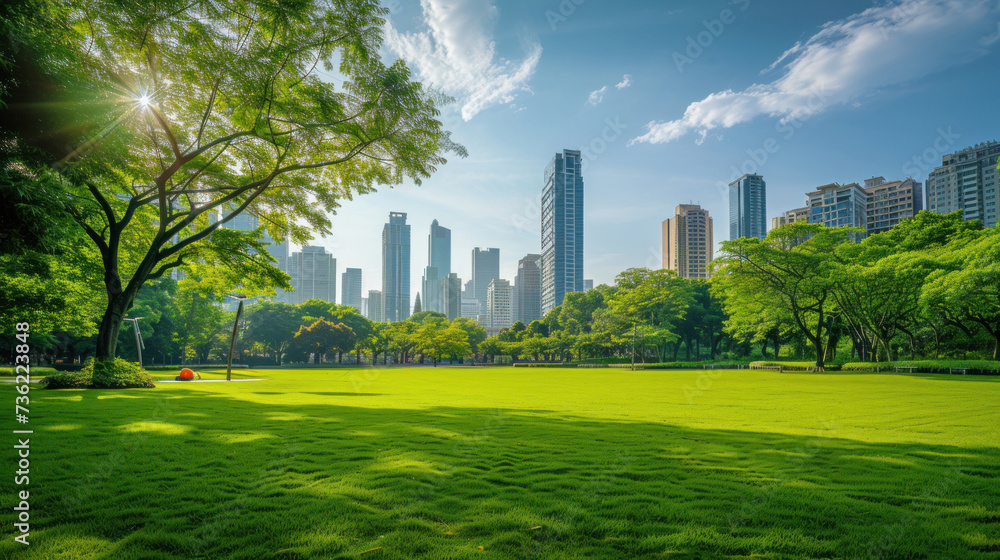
point(747, 207)
point(313, 274)
point(892, 202)
point(375, 308)
point(485, 269)
point(528, 289)
point(562, 228)
point(687, 241)
point(350, 286)
point(451, 296)
point(438, 266)
point(498, 304)
point(396, 268)
point(967, 181)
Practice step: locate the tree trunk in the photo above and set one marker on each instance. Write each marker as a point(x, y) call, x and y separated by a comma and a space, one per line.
point(111, 325)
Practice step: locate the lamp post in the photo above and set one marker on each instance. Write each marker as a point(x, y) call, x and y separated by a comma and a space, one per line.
point(232, 341)
point(139, 345)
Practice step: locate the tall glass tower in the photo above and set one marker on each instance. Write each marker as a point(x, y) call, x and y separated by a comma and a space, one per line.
point(485, 269)
point(562, 229)
point(438, 266)
point(747, 207)
point(396, 268)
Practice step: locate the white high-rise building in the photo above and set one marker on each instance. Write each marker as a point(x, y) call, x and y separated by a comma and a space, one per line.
point(967, 181)
point(499, 302)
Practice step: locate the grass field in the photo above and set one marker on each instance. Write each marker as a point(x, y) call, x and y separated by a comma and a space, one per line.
point(444, 463)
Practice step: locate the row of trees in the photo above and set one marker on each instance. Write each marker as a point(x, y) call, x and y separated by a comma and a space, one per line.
point(930, 278)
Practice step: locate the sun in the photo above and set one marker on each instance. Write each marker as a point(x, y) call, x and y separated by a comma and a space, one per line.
point(144, 100)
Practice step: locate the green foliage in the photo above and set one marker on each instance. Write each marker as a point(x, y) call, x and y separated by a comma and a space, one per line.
point(175, 117)
point(117, 374)
point(981, 367)
point(323, 337)
point(68, 380)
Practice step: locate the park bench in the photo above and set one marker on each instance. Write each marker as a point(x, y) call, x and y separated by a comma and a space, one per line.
point(962, 369)
point(780, 369)
point(909, 369)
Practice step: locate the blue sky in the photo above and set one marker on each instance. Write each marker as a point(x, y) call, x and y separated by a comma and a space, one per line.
point(671, 100)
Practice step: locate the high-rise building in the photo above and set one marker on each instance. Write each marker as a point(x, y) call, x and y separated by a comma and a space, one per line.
point(485, 269)
point(350, 288)
point(967, 181)
point(375, 308)
point(470, 308)
point(891, 202)
point(313, 274)
point(588, 284)
point(790, 217)
point(451, 296)
point(687, 241)
point(837, 205)
point(396, 268)
point(562, 228)
point(498, 304)
point(528, 289)
point(748, 207)
point(438, 266)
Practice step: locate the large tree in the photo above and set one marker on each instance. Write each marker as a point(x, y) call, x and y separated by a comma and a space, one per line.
point(793, 269)
point(185, 114)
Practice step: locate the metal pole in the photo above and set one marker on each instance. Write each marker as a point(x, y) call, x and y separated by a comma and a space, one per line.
point(138, 340)
point(232, 342)
point(635, 331)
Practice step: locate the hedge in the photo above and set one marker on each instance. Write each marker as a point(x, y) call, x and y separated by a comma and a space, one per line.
point(974, 367)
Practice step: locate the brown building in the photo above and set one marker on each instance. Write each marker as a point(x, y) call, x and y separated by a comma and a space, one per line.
point(687, 241)
point(891, 202)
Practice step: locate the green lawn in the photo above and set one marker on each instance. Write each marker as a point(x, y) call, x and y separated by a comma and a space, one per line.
point(516, 463)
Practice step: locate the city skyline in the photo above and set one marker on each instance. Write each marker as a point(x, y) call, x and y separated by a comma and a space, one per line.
point(490, 199)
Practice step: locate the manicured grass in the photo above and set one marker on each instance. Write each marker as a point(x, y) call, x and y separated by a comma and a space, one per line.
point(435, 463)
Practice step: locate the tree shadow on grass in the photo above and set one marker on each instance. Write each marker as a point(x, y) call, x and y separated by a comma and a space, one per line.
point(186, 474)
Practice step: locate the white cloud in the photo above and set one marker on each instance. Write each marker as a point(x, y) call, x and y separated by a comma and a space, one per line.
point(880, 47)
point(456, 53)
point(597, 96)
point(626, 82)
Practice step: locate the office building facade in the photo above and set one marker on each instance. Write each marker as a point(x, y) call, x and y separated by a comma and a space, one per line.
point(376, 312)
point(528, 289)
point(451, 296)
point(562, 228)
point(499, 304)
point(350, 288)
point(485, 269)
point(891, 202)
point(836, 205)
point(396, 268)
point(313, 274)
point(687, 242)
point(438, 266)
point(966, 181)
point(790, 217)
point(748, 207)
